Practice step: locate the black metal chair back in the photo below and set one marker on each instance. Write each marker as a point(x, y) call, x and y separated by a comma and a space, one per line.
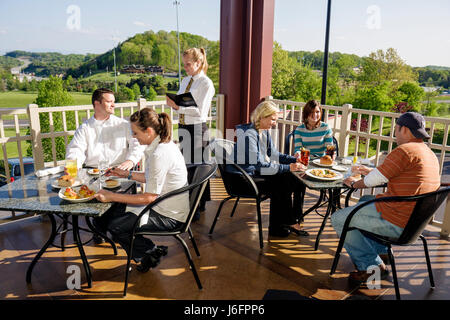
point(238, 184)
point(424, 209)
point(423, 212)
point(202, 174)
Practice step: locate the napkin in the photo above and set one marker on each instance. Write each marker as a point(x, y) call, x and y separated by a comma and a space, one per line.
point(346, 161)
point(49, 171)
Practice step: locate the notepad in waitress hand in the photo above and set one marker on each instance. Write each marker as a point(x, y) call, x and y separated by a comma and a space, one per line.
point(183, 100)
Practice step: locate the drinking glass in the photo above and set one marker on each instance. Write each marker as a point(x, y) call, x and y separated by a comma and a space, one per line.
point(103, 166)
point(331, 149)
point(304, 156)
point(72, 168)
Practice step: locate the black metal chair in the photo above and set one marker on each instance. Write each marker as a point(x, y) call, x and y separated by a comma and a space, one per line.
point(238, 185)
point(202, 174)
point(424, 209)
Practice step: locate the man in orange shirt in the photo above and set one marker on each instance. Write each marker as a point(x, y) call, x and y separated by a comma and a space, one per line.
point(410, 169)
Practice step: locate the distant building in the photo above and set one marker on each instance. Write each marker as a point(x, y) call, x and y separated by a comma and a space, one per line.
point(139, 68)
point(357, 70)
point(27, 77)
point(430, 89)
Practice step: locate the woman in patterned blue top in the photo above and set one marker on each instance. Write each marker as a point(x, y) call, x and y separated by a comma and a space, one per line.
point(312, 134)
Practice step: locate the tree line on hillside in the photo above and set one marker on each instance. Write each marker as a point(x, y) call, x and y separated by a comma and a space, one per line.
point(149, 48)
point(382, 81)
point(7, 62)
point(45, 64)
point(427, 76)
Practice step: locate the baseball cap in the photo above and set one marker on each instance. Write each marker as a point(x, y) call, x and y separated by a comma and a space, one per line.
point(415, 122)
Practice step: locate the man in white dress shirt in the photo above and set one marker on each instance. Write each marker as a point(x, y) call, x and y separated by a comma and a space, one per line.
point(104, 137)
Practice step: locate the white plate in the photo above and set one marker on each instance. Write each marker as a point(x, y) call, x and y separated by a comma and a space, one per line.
point(111, 187)
point(62, 196)
point(91, 171)
point(317, 162)
point(338, 175)
point(57, 186)
point(340, 168)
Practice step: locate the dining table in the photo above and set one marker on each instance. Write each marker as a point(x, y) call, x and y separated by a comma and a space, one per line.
point(40, 195)
point(330, 190)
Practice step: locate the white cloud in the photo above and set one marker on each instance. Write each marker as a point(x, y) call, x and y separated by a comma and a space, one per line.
point(141, 24)
point(3, 31)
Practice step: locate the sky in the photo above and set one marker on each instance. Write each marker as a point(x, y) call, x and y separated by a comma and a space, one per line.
point(417, 29)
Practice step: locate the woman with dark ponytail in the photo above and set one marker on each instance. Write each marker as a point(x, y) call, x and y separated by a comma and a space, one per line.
point(164, 171)
point(192, 130)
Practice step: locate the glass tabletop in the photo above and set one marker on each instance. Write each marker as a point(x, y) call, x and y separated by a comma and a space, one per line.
point(33, 194)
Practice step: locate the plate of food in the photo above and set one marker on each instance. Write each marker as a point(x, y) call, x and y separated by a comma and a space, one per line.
point(111, 184)
point(324, 174)
point(94, 171)
point(325, 161)
point(77, 194)
point(66, 181)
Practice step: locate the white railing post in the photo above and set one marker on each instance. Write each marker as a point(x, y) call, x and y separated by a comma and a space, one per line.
point(141, 103)
point(36, 139)
point(346, 121)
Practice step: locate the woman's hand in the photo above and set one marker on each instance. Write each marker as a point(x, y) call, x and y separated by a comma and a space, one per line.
point(298, 166)
point(126, 165)
point(104, 196)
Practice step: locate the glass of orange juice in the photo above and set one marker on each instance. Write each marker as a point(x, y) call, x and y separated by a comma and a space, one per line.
point(71, 167)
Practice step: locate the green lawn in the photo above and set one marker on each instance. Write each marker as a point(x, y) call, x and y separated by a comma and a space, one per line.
point(20, 99)
point(11, 147)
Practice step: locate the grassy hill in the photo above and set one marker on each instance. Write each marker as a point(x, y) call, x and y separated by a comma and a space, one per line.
point(149, 48)
point(20, 99)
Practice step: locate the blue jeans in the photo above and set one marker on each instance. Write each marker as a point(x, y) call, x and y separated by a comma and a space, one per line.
point(364, 251)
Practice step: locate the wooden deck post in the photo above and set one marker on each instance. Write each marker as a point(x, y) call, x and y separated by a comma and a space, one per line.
point(36, 139)
point(346, 121)
point(142, 103)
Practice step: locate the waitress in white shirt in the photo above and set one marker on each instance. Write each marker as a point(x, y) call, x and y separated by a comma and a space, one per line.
point(165, 171)
point(192, 129)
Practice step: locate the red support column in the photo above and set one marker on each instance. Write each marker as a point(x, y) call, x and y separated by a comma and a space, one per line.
point(246, 40)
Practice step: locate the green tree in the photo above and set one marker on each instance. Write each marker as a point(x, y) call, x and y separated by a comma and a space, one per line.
point(283, 74)
point(411, 93)
point(383, 66)
point(51, 93)
point(307, 84)
point(374, 97)
point(125, 94)
point(151, 95)
point(136, 90)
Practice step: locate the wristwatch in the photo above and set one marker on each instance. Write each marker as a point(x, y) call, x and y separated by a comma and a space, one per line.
point(351, 184)
point(129, 175)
